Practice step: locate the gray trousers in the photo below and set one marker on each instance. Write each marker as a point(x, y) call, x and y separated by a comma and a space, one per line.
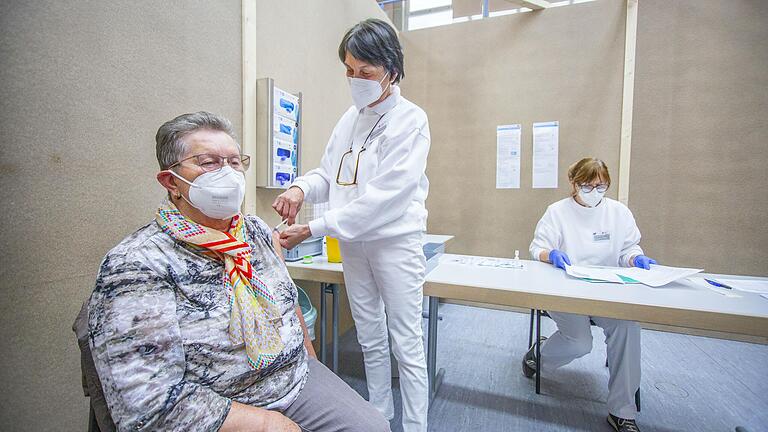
point(573, 339)
point(328, 404)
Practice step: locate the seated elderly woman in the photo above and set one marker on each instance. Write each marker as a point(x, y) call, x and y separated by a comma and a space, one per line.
point(194, 321)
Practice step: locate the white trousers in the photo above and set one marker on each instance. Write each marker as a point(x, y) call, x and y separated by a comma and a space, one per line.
point(573, 339)
point(384, 281)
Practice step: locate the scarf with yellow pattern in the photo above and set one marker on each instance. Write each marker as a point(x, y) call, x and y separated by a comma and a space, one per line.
point(255, 319)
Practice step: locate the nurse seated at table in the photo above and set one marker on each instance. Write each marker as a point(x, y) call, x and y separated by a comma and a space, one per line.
point(589, 229)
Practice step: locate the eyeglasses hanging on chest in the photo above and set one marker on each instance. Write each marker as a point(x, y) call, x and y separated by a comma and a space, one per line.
point(348, 157)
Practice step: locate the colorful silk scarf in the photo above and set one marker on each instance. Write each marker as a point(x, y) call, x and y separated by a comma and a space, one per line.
point(255, 319)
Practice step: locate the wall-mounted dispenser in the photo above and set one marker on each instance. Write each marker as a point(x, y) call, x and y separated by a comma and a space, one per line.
point(278, 135)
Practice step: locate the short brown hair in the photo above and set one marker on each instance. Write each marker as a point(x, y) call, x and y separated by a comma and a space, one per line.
point(588, 169)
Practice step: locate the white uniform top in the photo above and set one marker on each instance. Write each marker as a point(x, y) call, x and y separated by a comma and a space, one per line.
point(392, 186)
point(604, 235)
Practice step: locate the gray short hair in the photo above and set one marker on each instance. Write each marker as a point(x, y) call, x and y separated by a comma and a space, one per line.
point(170, 146)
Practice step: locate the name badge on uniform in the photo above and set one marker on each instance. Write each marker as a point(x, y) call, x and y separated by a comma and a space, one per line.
point(379, 130)
point(601, 236)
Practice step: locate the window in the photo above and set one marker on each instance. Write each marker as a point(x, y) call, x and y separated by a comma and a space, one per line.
point(419, 14)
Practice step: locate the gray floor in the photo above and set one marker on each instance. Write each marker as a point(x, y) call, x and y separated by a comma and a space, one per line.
point(689, 383)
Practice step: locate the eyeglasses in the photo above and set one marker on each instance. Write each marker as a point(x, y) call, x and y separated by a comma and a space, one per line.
point(587, 188)
point(341, 164)
point(348, 156)
point(213, 162)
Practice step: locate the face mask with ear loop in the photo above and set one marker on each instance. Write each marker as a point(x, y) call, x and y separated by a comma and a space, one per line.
point(218, 194)
point(592, 198)
point(365, 91)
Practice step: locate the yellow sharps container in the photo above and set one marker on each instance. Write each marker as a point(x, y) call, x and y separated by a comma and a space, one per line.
point(334, 252)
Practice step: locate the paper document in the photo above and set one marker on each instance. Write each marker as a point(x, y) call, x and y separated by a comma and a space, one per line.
point(749, 285)
point(605, 274)
point(655, 277)
point(508, 156)
point(545, 150)
point(699, 282)
point(501, 263)
point(489, 262)
point(658, 275)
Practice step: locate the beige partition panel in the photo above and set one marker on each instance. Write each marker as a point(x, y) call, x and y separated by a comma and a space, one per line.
point(562, 64)
point(699, 152)
point(83, 88)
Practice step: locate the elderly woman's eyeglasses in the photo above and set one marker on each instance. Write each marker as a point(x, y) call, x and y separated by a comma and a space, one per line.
point(213, 162)
point(587, 188)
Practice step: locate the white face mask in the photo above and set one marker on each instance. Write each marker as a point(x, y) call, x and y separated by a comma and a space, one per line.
point(591, 199)
point(217, 195)
point(366, 92)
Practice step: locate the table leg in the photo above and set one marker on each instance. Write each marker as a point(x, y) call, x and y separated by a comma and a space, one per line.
point(538, 351)
point(530, 333)
point(637, 399)
point(435, 376)
point(322, 324)
point(335, 326)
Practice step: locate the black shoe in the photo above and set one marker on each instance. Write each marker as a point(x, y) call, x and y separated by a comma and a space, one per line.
point(529, 360)
point(622, 425)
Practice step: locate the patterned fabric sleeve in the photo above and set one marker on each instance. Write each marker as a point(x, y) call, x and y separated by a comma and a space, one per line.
point(262, 229)
point(138, 352)
point(264, 232)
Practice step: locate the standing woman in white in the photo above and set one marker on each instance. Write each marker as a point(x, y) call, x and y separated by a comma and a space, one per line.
point(589, 229)
point(373, 175)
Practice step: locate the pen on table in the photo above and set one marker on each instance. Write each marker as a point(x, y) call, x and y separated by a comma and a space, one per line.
point(717, 284)
point(277, 228)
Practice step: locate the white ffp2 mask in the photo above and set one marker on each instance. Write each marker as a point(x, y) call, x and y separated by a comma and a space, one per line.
point(217, 195)
point(591, 198)
point(365, 91)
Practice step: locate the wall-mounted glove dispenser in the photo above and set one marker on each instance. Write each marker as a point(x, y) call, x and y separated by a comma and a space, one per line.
point(278, 135)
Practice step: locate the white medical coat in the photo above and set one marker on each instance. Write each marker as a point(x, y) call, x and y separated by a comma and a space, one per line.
point(392, 185)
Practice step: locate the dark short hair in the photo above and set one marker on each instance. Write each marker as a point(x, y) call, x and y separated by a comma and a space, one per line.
point(374, 41)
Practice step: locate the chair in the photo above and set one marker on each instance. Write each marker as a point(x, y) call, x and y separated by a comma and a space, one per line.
point(99, 419)
point(537, 313)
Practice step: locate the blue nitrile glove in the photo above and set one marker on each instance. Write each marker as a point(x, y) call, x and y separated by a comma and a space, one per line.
point(559, 259)
point(643, 262)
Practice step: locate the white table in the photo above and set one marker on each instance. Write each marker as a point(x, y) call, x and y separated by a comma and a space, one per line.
point(330, 275)
point(542, 286)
